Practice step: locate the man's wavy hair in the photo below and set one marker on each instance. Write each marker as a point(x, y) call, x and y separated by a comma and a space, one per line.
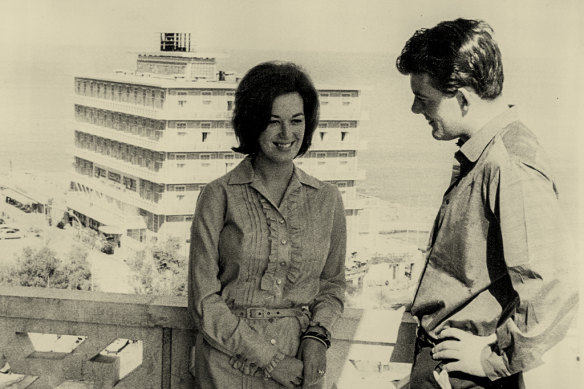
point(255, 95)
point(456, 54)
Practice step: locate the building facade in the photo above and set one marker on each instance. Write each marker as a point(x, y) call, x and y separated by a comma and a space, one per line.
point(147, 141)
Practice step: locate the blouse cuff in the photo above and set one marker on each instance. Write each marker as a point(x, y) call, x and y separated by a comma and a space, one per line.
point(325, 321)
point(273, 363)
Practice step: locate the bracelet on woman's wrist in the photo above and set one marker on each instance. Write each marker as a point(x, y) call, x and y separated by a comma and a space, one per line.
point(322, 338)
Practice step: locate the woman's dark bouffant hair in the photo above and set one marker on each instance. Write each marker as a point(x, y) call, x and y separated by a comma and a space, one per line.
point(456, 54)
point(255, 95)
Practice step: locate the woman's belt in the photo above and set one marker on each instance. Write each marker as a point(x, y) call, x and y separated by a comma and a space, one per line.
point(266, 313)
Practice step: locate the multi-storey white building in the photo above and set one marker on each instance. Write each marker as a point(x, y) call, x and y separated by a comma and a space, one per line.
point(146, 142)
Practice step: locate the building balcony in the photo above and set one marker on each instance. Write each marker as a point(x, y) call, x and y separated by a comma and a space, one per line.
point(118, 106)
point(164, 142)
point(159, 332)
point(169, 111)
point(151, 143)
point(118, 164)
point(117, 191)
point(177, 144)
point(169, 171)
point(167, 203)
point(194, 111)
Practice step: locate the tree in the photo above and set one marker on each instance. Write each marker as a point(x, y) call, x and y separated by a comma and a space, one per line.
point(77, 269)
point(42, 268)
point(36, 268)
point(160, 269)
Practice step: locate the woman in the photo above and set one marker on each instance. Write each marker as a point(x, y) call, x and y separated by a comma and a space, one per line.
point(266, 274)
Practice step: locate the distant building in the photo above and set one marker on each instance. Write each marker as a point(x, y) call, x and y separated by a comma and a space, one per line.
point(146, 142)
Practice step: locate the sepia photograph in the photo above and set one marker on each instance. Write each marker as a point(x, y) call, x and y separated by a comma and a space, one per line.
point(325, 194)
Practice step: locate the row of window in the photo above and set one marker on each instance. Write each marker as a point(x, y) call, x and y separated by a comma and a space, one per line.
point(126, 93)
point(231, 155)
point(205, 156)
point(343, 94)
point(155, 96)
point(227, 124)
point(136, 125)
point(337, 124)
point(128, 152)
point(199, 124)
point(330, 154)
point(148, 190)
point(184, 187)
point(160, 68)
point(139, 156)
point(202, 92)
point(179, 218)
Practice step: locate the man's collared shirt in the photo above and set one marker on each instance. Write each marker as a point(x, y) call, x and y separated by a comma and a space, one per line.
point(498, 260)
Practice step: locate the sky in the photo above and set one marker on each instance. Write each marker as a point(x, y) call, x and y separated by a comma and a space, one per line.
point(541, 40)
point(329, 25)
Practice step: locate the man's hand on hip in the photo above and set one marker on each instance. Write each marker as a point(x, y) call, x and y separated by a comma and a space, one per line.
point(463, 349)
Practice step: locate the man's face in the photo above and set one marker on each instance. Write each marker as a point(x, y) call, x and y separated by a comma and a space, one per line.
point(442, 112)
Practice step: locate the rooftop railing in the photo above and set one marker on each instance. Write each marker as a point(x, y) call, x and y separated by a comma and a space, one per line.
point(136, 341)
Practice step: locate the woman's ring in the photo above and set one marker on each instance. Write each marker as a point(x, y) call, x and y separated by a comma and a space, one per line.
point(320, 371)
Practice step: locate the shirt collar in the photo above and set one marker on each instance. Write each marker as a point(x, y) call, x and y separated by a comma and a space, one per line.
point(473, 147)
point(244, 174)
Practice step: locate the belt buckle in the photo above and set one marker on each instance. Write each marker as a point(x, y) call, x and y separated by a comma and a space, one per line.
point(256, 313)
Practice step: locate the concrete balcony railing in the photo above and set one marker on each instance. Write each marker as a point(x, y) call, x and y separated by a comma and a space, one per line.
point(366, 342)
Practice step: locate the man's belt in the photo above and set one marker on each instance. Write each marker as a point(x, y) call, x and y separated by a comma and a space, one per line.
point(265, 313)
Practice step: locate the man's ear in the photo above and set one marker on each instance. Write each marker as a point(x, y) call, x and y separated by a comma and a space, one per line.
point(464, 99)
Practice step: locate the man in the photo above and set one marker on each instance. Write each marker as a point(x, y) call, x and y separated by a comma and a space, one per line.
point(496, 290)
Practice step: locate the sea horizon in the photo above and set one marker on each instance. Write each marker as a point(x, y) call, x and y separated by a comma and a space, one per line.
point(404, 165)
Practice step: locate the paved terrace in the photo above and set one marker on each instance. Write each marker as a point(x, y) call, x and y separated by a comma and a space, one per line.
point(133, 341)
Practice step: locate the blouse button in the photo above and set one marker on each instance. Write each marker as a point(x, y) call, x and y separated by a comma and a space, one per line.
point(273, 341)
point(284, 241)
point(282, 263)
point(281, 221)
point(279, 282)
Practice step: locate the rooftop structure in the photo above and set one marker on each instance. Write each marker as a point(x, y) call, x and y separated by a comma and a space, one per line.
point(147, 141)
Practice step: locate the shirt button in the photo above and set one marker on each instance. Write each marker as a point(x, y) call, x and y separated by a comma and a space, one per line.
point(279, 282)
point(281, 221)
point(273, 341)
point(284, 241)
point(282, 263)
